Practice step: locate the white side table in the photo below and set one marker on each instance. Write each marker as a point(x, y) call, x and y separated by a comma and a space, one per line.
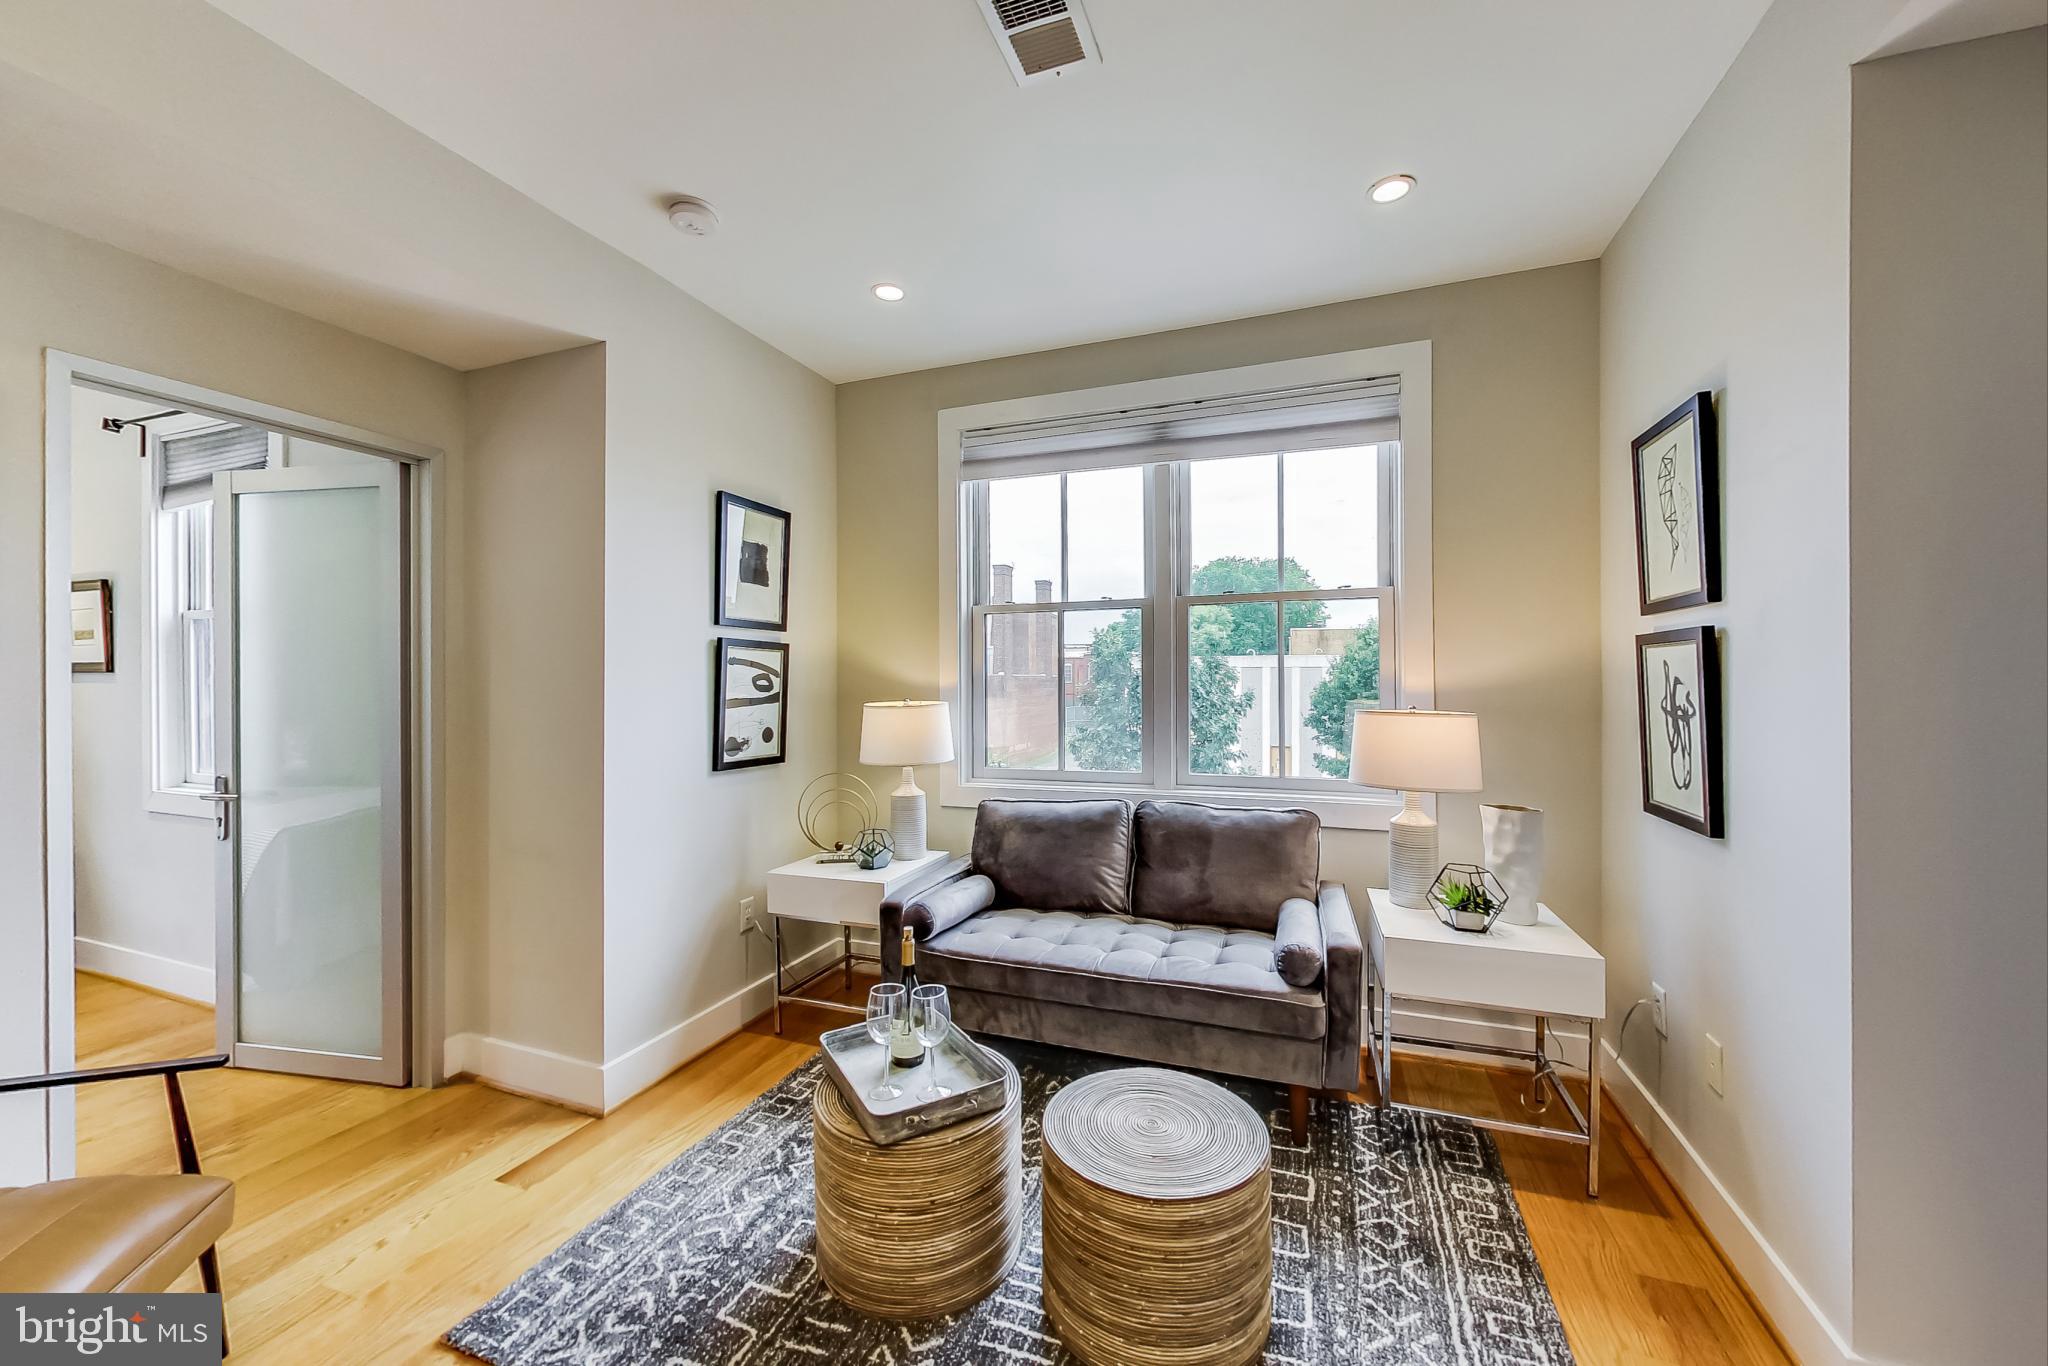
point(836, 894)
point(1544, 970)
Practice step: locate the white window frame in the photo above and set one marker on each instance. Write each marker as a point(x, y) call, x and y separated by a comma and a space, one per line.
point(173, 789)
point(1408, 670)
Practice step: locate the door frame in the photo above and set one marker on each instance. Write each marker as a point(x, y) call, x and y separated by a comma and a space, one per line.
point(426, 989)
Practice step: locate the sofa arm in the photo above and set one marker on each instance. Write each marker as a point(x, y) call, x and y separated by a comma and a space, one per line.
point(1343, 988)
point(915, 906)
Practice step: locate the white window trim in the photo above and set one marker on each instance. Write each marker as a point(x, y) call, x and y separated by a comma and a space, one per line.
point(169, 794)
point(1414, 653)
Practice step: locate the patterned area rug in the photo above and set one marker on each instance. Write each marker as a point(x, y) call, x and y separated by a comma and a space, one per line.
point(1395, 1240)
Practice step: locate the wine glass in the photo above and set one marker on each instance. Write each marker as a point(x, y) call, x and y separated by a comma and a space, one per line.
point(931, 1018)
point(886, 1005)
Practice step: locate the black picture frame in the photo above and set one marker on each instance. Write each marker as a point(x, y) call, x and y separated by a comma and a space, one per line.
point(1700, 714)
point(733, 570)
point(102, 661)
point(1701, 523)
point(731, 742)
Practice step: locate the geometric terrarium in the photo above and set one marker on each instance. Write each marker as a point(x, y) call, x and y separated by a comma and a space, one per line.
point(1467, 897)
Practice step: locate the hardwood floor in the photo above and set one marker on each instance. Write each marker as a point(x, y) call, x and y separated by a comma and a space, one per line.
point(369, 1220)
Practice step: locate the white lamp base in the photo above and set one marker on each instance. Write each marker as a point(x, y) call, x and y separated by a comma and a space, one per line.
point(1411, 854)
point(906, 818)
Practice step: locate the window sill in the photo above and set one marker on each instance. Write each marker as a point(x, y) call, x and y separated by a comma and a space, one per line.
point(180, 801)
point(1336, 813)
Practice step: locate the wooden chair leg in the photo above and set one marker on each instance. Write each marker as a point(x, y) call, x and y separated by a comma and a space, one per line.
point(209, 1278)
point(1297, 1112)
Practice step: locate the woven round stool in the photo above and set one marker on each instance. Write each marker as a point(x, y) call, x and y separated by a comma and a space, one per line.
point(925, 1226)
point(1157, 1221)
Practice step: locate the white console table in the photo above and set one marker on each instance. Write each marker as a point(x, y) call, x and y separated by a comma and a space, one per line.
point(836, 894)
point(1543, 970)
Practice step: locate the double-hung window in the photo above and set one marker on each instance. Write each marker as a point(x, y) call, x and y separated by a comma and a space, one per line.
point(1197, 596)
point(180, 510)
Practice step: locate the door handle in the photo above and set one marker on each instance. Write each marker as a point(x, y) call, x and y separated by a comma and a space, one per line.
point(223, 798)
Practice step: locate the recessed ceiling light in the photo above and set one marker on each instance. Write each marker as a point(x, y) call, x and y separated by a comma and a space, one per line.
point(1387, 189)
point(889, 294)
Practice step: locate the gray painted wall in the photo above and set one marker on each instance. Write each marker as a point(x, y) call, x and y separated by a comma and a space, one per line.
point(1948, 632)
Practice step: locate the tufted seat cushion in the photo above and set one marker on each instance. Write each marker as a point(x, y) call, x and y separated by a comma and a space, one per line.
point(1202, 973)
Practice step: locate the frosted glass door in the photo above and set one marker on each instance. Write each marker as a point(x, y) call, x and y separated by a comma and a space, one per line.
point(309, 721)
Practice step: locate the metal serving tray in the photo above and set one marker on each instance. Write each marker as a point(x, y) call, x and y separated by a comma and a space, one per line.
point(973, 1072)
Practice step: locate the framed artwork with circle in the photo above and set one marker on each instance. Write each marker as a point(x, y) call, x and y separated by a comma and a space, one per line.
point(1678, 701)
point(753, 565)
point(750, 704)
point(1678, 509)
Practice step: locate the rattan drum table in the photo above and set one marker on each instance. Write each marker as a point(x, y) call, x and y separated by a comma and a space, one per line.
point(1157, 1221)
point(923, 1227)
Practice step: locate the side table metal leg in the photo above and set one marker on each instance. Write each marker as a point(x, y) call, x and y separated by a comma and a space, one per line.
point(1593, 1109)
point(846, 952)
point(1386, 1046)
point(777, 937)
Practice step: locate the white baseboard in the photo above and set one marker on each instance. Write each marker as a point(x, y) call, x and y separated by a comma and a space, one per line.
point(188, 981)
point(1814, 1339)
point(529, 1071)
point(600, 1088)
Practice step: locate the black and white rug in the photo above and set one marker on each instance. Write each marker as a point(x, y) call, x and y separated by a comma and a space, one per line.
point(1395, 1240)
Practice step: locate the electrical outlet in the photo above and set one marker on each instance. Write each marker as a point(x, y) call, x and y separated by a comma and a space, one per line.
point(1657, 1015)
point(746, 914)
point(1716, 1079)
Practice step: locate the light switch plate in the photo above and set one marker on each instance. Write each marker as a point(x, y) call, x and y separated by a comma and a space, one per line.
point(1716, 1079)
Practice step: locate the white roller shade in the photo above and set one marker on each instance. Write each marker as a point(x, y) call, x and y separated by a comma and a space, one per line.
point(1352, 413)
point(190, 462)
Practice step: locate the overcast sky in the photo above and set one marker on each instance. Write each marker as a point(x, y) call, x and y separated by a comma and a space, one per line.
point(1332, 522)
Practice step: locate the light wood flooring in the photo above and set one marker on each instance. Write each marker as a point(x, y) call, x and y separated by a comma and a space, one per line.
point(369, 1220)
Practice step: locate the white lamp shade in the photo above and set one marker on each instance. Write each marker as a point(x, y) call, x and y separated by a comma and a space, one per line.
point(1416, 751)
point(894, 734)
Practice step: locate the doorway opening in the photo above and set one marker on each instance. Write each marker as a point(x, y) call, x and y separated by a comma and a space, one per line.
point(237, 756)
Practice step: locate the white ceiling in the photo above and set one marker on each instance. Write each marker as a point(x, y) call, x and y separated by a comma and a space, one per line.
point(1214, 166)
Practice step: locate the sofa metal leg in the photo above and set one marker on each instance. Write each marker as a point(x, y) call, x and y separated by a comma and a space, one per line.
point(1297, 1112)
point(209, 1278)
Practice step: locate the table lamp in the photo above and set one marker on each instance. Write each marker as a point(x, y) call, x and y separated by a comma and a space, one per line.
point(1414, 752)
point(906, 733)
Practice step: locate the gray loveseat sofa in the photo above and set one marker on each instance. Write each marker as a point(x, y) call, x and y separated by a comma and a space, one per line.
point(1173, 932)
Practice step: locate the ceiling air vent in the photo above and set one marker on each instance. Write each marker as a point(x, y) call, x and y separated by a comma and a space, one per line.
point(1040, 39)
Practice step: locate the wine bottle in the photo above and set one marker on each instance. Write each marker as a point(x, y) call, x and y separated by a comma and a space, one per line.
point(904, 1049)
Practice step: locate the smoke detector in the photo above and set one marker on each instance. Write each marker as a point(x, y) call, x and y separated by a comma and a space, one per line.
point(1040, 39)
point(692, 216)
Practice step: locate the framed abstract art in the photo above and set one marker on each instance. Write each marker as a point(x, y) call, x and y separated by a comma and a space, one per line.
point(753, 565)
point(750, 704)
point(1678, 509)
point(1678, 704)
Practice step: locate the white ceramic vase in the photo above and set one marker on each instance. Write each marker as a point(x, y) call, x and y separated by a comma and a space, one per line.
point(1514, 854)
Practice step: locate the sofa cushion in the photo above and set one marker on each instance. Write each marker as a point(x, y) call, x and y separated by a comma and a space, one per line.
point(1199, 973)
point(1213, 865)
point(1069, 856)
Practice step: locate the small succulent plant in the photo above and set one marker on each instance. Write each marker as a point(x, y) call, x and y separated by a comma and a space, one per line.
point(1467, 898)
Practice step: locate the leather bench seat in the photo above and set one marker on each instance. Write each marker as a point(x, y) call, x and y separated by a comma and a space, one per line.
point(99, 1234)
point(1205, 974)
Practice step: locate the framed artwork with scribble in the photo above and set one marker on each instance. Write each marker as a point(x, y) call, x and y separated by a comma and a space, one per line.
point(750, 704)
point(1678, 509)
point(1678, 696)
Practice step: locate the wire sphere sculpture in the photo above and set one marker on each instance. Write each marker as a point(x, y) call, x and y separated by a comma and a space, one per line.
point(816, 803)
